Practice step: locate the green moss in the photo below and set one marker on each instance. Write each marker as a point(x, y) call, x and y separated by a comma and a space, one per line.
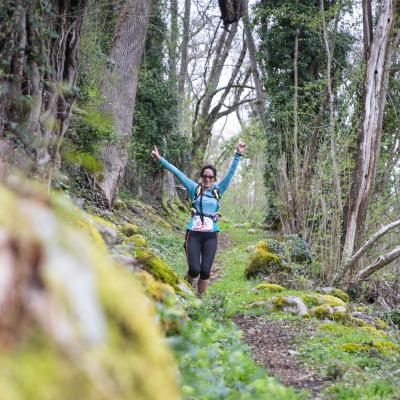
point(358, 322)
point(340, 294)
point(317, 299)
point(54, 354)
point(156, 290)
point(382, 346)
point(340, 316)
point(160, 270)
point(262, 261)
point(129, 229)
point(379, 324)
point(270, 287)
point(323, 311)
point(138, 240)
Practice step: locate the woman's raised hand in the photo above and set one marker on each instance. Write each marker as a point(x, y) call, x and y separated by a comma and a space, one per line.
point(241, 147)
point(155, 154)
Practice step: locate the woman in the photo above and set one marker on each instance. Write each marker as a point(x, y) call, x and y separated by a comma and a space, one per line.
point(202, 227)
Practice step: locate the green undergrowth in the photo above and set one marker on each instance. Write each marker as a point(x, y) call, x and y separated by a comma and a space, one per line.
point(215, 363)
point(360, 362)
point(213, 360)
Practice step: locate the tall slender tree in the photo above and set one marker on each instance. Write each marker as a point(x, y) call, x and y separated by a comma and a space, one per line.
point(118, 89)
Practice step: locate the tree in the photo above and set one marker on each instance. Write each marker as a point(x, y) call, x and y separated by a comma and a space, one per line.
point(368, 142)
point(39, 62)
point(118, 89)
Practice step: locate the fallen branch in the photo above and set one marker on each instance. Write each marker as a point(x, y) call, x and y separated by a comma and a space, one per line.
point(362, 250)
point(379, 263)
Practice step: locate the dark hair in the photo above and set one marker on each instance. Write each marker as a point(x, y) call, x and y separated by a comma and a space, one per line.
point(213, 169)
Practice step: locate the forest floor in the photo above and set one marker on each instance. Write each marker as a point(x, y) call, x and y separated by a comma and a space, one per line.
point(308, 357)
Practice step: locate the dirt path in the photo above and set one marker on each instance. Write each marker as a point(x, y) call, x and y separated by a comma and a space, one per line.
point(272, 345)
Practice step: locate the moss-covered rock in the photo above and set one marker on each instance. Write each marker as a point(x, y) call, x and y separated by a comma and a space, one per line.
point(335, 292)
point(323, 311)
point(270, 287)
point(129, 229)
point(161, 272)
point(262, 261)
point(84, 329)
point(317, 299)
point(290, 304)
point(380, 346)
point(138, 241)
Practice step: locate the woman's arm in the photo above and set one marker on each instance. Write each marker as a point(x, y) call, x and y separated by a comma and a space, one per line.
point(223, 185)
point(188, 183)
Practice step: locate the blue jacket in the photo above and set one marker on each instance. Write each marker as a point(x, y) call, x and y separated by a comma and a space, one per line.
point(210, 203)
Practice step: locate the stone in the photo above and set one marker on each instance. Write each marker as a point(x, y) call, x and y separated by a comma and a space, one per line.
point(251, 231)
point(334, 292)
point(290, 304)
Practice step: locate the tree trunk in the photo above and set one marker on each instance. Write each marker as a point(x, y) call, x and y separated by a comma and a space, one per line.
point(373, 103)
point(118, 89)
point(260, 94)
point(40, 76)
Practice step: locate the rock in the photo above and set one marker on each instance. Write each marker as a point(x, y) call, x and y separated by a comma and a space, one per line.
point(107, 230)
point(322, 312)
point(80, 202)
point(291, 304)
point(251, 231)
point(293, 353)
point(138, 241)
point(251, 248)
point(271, 287)
point(318, 299)
point(84, 327)
point(334, 292)
point(162, 272)
point(127, 261)
point(263, 261)
point(185, 289)
point(239, 226)
point(129, 229)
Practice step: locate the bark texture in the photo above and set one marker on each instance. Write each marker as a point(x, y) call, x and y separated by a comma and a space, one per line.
point(118, 89)
point(40, 54)
point(373, 103)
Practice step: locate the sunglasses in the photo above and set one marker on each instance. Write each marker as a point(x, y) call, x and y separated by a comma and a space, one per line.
point(212, 177)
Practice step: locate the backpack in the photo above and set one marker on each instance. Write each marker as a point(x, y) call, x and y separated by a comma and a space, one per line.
point(199, 192)
point(231, 11)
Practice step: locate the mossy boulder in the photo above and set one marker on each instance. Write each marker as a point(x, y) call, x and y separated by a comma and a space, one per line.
point(382, 347)
point(107, 229)
point(84, 328)
point(323, 311)
point(317, 299)
point(263, 261)
point(270, 287)
point(335, 292)
point(129, 229)
point(161, 272)
point(290, 304)
point(326, 311)
point(138, 241)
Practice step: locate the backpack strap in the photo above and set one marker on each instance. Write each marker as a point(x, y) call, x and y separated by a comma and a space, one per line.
point(199, 192)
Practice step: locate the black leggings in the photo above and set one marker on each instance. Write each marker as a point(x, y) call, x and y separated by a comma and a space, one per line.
point(200, 250)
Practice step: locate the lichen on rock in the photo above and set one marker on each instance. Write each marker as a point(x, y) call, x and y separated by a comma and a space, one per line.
point(84, 329)
point(271, 287)
point(263, 261)
point(129, 229)
point(335, 292)
point(291, 304)
point(317, 299)
point(161, 272)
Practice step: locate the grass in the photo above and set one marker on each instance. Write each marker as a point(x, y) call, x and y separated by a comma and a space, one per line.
point(216, 364)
